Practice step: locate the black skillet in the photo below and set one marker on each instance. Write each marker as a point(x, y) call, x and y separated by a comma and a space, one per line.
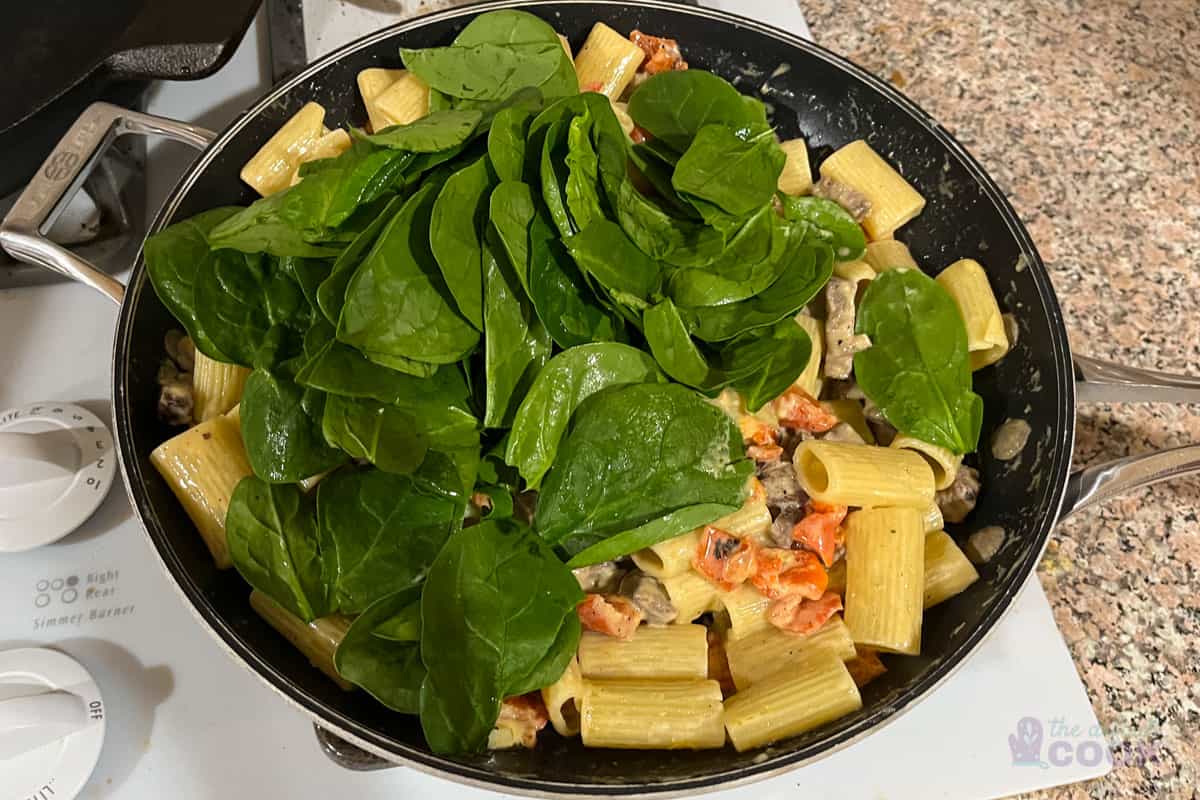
point(813, 93)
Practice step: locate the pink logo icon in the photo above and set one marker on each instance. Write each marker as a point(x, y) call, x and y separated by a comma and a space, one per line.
point(1026, 744)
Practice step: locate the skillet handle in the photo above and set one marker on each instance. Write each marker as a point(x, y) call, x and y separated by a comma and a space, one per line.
point(22, 233)
point(347, 755)
point(1099, 381)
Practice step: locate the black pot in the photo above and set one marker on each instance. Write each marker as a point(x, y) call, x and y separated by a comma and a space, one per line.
point(822, 97)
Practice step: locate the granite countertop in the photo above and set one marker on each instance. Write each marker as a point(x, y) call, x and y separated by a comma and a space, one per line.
point(1088, 116)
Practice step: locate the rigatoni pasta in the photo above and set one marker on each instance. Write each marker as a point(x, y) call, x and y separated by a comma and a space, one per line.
point(691, 595)
point(674, 556)
point(607, 62)
point(272, 167)
point(943, 463)
point(656, 652)
point(203, 466)
point(652, 715)
point(216, 387)
point(885, 569)
point(405, 100)
point(796, 177)
point(947, 569)
point(747, 611)
point(893, 200)
point(810, 380)
point(760, 655)
point(863, 475)
point(967, 282)
point(317, 640)
point(563, 699)
point(888, 254)
point(788, 703)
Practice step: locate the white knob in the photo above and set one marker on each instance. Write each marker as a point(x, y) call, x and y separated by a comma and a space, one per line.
point(27, 723)
point(33, 457)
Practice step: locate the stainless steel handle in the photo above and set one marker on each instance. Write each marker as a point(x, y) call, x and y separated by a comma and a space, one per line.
point(22, 233)
point(1105, 382)
point(1099, 381)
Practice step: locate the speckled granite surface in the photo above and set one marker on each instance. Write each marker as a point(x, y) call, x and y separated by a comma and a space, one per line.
point(1088, 116)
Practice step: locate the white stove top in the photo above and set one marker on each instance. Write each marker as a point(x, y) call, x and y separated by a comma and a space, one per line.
point(186, 722)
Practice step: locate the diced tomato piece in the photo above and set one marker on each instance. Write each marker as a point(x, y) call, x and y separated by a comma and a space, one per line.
point(779, 572)
point(756, 431)
point(797, 614)
point(612, 615)
point(639, 134)
point(764, 452)
point(723, 558)
point(718, 663)
point(594, 86)
point(865, 666)
point(662, 54)
point(526, 708)
point(797, 409)
point(820, 530)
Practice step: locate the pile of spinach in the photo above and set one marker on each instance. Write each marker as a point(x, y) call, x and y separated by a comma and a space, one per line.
point(496, 298)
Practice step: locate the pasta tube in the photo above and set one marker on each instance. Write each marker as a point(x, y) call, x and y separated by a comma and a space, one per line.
point(674, 556)
point(893, 200)
point(203, 466)
point(405, 101)
point(666, 652)
point(652, 715)
point(317, 640)
point(967, 283)
point(943, 463)
point(885, 568)
point(862, 475)
point(947, 569)
point(216, 387)
point(760, 655)
point(796, 177)
point(933, 518)
point(851, 413)
point(372, 82)
point(888, 254)
point(691, 594)
point(272, 167)
point(789, 703)
point(607, 62)
point(857, 272)
point(331, 144)
point(810, 379)
point(747, 610)
point(562, 699)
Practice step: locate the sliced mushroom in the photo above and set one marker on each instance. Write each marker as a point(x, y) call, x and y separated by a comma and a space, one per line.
point(602, 578)
point(841, 342)
point(855, 203)
point(176, 403)
point(181, 350)
point(785, 500)
point(959, 500)
point(648, 594)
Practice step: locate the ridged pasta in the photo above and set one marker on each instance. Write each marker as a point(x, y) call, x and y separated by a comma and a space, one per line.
point(947, 569)
point(888, 254)
point(563, 699)
point(655, 652)
point(317, 640)
point(885, 573)
point(691, 594)
point(943, 463)
point(787, 703)
point(810, 379)
point(405, 101)
point(796, 177)
point(762, 654)
point(747, 610)
point(216, 387)
point(652, 715)
point(857, 272)
point(272, 167)
point(863, 475)
point(967, 282)
point(674, 556)
point(607, 62)
point(893, 200)
point(203, 466)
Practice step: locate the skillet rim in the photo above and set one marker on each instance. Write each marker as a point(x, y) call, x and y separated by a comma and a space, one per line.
point(1060, 444)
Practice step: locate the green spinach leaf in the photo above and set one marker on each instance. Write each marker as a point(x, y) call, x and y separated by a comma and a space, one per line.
point(274, 543)
point(497, 619)
point(281, 428)
point(603, 251)
point(564, 383)
point(766, 361)
point(916, 369)
point(396, 303)
point(331, 294)
point(674, 106)
point(440, 130)
point(737, 174)
point(389, 670)
point(583, 173)
point(674, 350)
point(635, 454)
point(506, 142)
point(653, 532)
point(831, 222)
point(460, 216)
point(384, 533)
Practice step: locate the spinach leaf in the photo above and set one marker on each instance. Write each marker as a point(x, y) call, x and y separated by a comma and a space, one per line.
point(583, 173)
point(506, 142)
point(450, 472)
point(766, 361)
point(653, 532)
point(384, 534)
point(662, 236)
point(173, 260)
point(554, 176)
point(806, 268)
point(396, 303)
point(339, 369)
point(649, 164)
point(389, 670)
point(274, 543)
point(603, 251)
point(562, 298)
point(737, 174)
point(250, 307)
point(460, 215)
point(635, 454)
point(331, 294)
point(517, 344)
point(513, 213)
point(832, 223)
point(281, 428)
point(674, 350)
point(488, 71)
point(409, 366)
point(564, 383)
point(388, 437)
point(916, 369)
point(404, 625)
point(511, 26)
point(674, 106)
point(497, 619)
point(752, 262)
point(440, 130)
point(309, 274)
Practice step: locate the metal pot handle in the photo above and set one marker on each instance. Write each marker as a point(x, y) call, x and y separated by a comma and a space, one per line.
point(1099, 381)
point(61, 175)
